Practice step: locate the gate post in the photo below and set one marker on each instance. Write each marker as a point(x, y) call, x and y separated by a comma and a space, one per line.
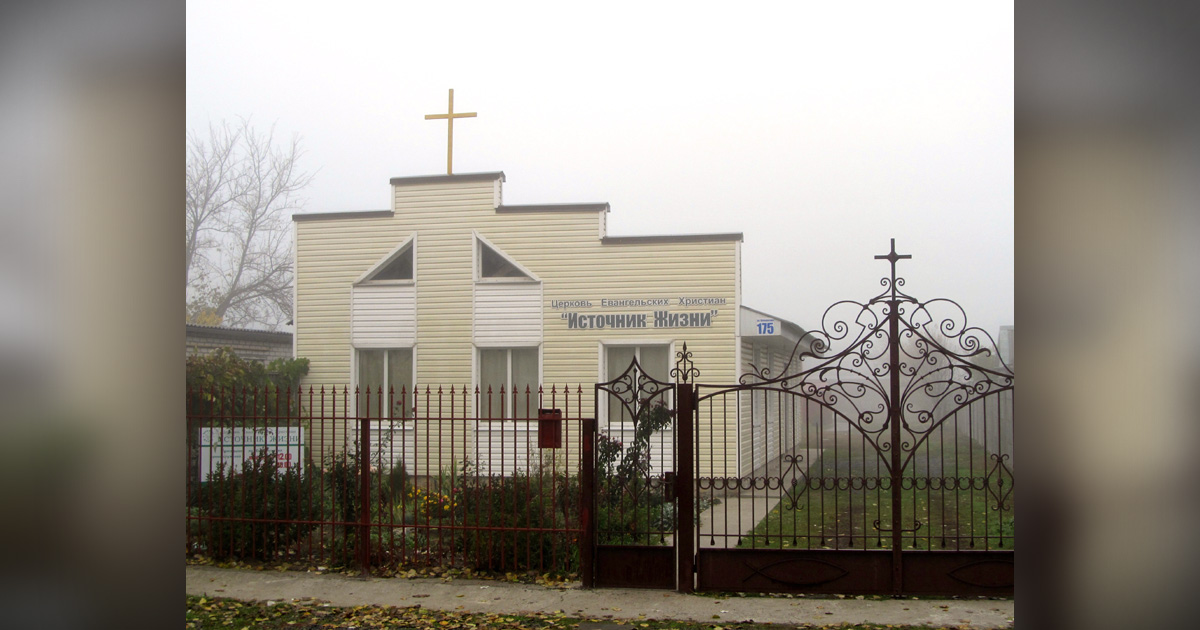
point(364, 495)
point(894, 413)
point(895, 416)
point(685, 489)
point(587, 503)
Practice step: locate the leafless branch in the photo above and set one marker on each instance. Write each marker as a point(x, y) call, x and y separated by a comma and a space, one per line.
point(241, 189)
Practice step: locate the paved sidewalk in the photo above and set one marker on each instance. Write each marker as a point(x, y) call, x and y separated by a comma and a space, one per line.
point(486, 596)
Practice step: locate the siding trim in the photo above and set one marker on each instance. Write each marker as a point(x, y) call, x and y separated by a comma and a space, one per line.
point(737, 347)
point(295, 283)
point(671, 238)
point(555, 207)
point(448, 179)
point(336, 216)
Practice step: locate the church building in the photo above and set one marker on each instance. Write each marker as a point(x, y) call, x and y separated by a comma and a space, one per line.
point(451, 286)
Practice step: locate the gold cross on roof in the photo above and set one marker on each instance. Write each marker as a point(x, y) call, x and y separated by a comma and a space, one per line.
point(450, 116)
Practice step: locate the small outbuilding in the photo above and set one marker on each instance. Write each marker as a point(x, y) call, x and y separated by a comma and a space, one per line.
point(258, 345)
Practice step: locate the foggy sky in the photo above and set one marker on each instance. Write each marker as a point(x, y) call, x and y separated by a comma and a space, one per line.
point(817, 131)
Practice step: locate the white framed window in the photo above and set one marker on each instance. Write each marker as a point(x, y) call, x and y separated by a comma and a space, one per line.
point(383, 301)
point(513, 371)
point(654, 361)
point(385, 368)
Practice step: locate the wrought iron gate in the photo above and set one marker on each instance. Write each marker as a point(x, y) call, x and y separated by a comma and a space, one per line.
point(890, 466)
point(878, 460)
point(636, 514)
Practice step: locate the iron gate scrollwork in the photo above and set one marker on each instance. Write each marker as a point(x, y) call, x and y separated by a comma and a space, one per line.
point(877, 459)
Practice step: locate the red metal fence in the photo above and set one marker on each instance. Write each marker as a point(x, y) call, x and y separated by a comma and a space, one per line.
point(330, 476)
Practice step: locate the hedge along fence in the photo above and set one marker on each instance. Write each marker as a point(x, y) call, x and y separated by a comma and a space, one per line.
point(443, 477)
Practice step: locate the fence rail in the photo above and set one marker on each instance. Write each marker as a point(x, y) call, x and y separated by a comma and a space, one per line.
point(387, 480)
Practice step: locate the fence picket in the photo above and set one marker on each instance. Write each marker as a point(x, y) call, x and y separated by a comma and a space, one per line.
point(436, 483)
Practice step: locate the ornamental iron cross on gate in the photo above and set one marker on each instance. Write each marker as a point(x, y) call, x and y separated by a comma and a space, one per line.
point(892, 257)
point(449, 116)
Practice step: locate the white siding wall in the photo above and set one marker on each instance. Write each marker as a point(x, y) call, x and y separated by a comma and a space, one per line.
point(384, 316)
point(563, 249)
point(747, 408)
point(662, 445)
point(393, 443)
point(505, 447)
point(772, 422)
point(508, 314)
point(790, 408)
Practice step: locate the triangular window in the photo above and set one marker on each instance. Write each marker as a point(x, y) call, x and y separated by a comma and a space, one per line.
point(493, 264)
point(398, 265)
point(399, 269)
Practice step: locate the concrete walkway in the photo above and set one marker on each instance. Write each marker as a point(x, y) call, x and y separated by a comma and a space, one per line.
point(738, 513)
point(485, 596)
point(722, 525)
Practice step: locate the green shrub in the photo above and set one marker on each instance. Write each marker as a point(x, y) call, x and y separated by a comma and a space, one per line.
point(343, 501)
point(237, 503)
point(224, 383)
point(421, 505)
point(398, 480)
point(514, 505)
point(225, 390)
point(631, 505)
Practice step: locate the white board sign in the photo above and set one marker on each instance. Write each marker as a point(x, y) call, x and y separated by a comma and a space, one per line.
point(233, 446)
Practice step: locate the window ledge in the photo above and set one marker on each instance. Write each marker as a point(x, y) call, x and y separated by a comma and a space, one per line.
point(507, 281)
point(382, 283)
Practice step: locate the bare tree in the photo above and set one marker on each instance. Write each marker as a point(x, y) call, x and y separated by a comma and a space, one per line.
point(241, 188)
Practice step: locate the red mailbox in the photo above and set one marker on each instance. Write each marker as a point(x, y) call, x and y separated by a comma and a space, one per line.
point(549, 428)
